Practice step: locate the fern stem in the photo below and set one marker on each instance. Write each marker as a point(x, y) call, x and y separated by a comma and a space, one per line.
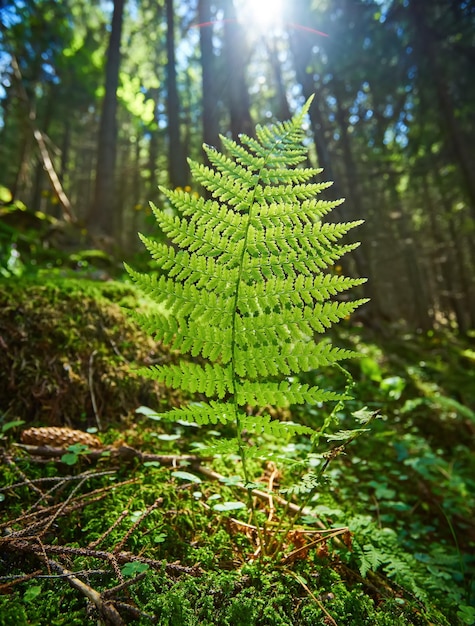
point(241, 445)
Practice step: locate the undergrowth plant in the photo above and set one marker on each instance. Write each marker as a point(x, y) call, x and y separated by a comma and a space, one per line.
point(244, 289)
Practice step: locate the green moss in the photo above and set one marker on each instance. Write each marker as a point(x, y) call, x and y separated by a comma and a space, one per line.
point(56, 605)
point(68, 345)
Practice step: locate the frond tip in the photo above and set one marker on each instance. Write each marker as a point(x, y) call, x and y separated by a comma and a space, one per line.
point(244, 284)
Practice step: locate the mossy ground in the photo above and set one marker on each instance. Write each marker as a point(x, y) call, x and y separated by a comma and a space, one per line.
point(406, 490)
point(67, 350)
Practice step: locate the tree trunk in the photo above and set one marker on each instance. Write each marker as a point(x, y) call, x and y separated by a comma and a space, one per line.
point(208, 72)
point(177, 164)
point(238, 95)
point(428, 56)
point(101, 216)
point(301, 49)
point(283, 111)
point(353, 207)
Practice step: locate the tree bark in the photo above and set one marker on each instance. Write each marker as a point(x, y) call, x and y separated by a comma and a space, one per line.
point(177, 164)
point(427, 55)
point(208, 70)
point(101, 216)
point(238, 95)
point(283, 112)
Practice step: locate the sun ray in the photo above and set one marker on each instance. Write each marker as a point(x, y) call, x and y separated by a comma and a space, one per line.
point(260, 14)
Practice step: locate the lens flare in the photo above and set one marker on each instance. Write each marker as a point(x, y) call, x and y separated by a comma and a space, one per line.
point(260, 14)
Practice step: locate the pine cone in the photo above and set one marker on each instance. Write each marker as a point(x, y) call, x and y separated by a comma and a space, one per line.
point(58, 437)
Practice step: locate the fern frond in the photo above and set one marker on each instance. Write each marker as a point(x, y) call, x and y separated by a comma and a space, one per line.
point(211, 380)
point(194, 269)
point(240, 154)
point(197, 237)
point(245, 176)
point(293, 357)
point(371, 559)
point(282, 394)
point(275, 428)
point(231, 190)
point(329, 313)
point(202, 414)
point(226, 447)
point(246, 285)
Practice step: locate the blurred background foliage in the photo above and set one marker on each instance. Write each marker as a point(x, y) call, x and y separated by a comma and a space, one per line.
point(101, 101)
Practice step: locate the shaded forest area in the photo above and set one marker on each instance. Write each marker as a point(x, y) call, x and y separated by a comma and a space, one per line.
point(103, 101)
point(353, 506)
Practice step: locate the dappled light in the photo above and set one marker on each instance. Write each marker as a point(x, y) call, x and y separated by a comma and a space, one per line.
point(237, 313)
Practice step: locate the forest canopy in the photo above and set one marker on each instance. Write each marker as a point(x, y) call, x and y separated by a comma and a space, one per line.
point(101, 102)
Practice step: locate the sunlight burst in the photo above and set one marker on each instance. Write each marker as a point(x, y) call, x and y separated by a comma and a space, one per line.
point(261, 15)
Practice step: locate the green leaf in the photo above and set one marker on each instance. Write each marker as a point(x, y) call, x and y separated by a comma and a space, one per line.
point(168, 437)
point(78, 448)
point(215, 496)
point(466, 614)
point(135, 516)
point(148, 412)
point(393, 386)
point(13, 424)
point(70, 458)
point(186, 476)
point(134, 568)
point(343, 435)
point(364, 415)
point(229, 506)
point(32, 593)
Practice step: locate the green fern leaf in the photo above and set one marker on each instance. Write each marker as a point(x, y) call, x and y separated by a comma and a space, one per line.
point(282, 394)
point(371, 559)
point(275, 428)
point(210, 380)
point(202, 413)
point(245, 281)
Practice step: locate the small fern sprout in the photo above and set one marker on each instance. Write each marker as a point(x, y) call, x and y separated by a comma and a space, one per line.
point(243, 285)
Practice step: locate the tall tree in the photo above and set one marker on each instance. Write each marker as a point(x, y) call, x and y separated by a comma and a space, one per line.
point(101, 218)
point(236, 87)
point(177, 164)
point(208, 73)
point(428, 40)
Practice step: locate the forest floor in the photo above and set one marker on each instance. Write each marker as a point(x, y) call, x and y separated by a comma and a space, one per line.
point(127, 523)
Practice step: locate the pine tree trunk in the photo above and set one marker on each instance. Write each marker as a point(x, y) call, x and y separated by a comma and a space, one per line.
point(283, 111)
point(236, 87)
point(208, 69)
point(101, 218)
point(353, 208)
point(301, 49)
point(177, 164)
point(428, 56)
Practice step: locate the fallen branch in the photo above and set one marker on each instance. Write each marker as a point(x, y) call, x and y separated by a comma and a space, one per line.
point(90, 378)
point(31, 546)
point(123, 452)
point(107, 612)
point(68, 213)
point(77, 503)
